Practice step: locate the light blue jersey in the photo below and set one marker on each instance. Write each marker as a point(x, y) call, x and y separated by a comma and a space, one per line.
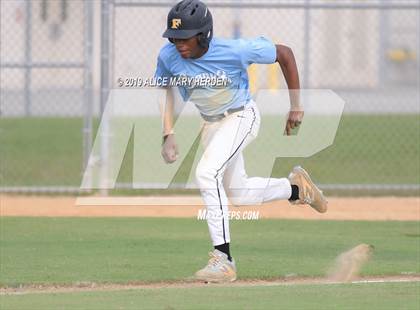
point(225, 59)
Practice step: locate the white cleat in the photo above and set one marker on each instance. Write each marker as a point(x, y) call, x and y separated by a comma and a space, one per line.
point(219, 269)
point(309, 193)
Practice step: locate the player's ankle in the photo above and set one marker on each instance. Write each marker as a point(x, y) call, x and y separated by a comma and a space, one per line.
point(295, 193)
point(224, 248)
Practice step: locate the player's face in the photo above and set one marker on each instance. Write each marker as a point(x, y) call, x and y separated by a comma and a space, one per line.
point(188, 48)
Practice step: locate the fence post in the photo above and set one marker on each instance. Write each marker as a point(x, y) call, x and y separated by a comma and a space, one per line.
point(383, 46)
point(28, 59)
point(105, 86)
point(307, 45)
point(88, 88)
point(105, 34)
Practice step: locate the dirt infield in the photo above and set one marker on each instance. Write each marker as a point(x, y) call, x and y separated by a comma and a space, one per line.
point(381, 209)
point(95, 287)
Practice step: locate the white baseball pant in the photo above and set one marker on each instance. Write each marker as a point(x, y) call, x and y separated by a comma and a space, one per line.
point(221, 171)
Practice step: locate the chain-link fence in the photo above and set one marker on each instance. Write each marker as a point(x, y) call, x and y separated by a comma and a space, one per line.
point(367, 52)
point(46, 93)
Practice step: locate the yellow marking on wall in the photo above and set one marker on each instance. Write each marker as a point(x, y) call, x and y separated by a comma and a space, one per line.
point(252, 77)
point(401, 55)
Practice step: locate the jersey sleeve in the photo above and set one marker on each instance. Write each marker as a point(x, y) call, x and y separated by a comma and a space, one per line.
point(161, 69)
point(259, 50)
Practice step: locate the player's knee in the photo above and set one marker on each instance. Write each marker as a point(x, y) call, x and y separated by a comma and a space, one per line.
point(205, 175)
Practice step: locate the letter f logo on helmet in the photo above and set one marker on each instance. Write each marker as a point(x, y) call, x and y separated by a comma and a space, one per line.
point(187, 19)
point(176, 22)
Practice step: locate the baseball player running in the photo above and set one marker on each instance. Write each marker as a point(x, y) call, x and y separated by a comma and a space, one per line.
point(231, 122)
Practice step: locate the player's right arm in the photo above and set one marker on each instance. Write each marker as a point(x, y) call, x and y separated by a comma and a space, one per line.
point(167, 111)
point(169, 148)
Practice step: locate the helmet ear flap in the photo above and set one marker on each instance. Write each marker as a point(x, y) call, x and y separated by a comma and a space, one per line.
point(205, 38)
point(201, 40)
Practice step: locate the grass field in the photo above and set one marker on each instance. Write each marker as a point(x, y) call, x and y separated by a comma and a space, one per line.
point(368, 149)
point(65, 250)
point(351, 296)
point(68, 251)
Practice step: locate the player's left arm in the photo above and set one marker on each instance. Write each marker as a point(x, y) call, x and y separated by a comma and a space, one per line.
point(287, 62)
